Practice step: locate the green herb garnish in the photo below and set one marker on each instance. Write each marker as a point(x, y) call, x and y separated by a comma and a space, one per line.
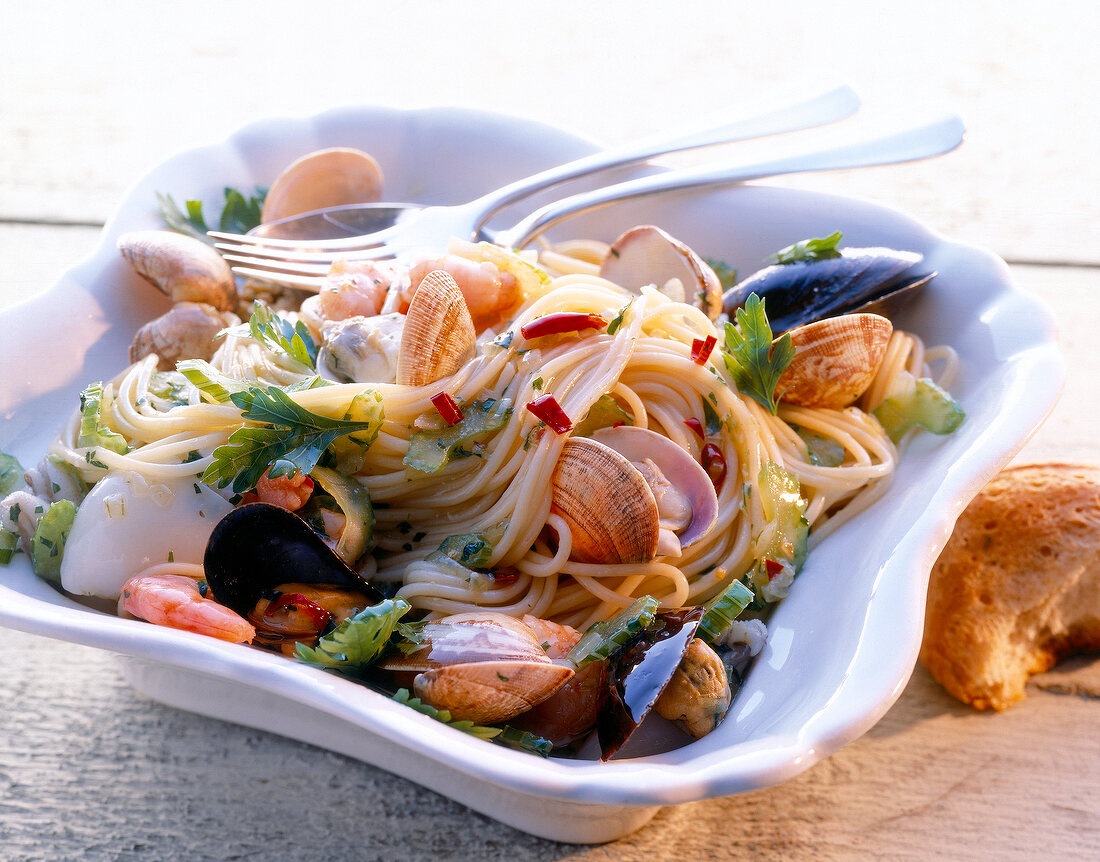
point(278, 334)
point(808, 250)
point(290, 440)
point(753, 360)
point(239, 213)
point(359, 640)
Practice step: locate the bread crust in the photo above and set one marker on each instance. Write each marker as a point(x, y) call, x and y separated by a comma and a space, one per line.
point(1017, 587)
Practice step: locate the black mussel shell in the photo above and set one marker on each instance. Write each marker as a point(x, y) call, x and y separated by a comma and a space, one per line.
point(639, 673)
point(861, 279)
point(258, 546)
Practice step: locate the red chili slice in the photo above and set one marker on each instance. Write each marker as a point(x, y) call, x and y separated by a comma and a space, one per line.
point(696, 426)
point(562, 321)
point(714, 462)
point(296, 601)
point(448, 409)
point(546, 408)
point(773, 568)
point(701, 349)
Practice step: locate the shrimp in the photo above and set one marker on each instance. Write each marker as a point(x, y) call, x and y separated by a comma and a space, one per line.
point(353, 289)
point(287, 492)
point(556, 638)
point(488, 290)
point(175, 601)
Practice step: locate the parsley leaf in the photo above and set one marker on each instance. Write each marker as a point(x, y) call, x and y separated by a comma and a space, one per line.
point(754, 362)
point(808, 250)
point(359, 640)
point(291, 440)
point(239, 213)
point(277, 333)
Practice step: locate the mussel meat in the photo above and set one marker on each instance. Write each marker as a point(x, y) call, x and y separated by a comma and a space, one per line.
point(878, 280)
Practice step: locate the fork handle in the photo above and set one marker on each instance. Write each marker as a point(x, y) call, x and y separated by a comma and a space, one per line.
point(931, 139)
point(826, 107)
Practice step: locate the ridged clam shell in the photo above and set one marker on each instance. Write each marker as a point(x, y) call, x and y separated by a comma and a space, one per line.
point(439, 333)
point(835, 360)
point(325, 178)
point(184, 268)
point(490, 691)
point(607, 503)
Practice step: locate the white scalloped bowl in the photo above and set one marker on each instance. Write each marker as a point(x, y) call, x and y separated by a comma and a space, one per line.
point(841, 647)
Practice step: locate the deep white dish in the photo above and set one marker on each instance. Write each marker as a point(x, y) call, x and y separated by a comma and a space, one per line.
point(842, 646)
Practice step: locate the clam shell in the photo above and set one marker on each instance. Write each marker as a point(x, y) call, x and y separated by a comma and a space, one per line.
point(473, 637)
point(325, 178)
point(438, 337)
point(182, 267)
point(490, 691)
point(607, 503)
point(648, 255)
point(678, 467)
point(835, 360)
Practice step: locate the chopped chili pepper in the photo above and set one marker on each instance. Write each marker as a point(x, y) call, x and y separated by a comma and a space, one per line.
point(546, 408)
point(562, 321)
point(696, 426)
point(773, 568)
point(288, 603)
point(508, 577)
point(714, 462)
point(701, 349)
point(448, 409)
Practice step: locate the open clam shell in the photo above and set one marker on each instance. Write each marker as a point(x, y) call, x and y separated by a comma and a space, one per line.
point(607, 503)
point(676, 466)
point(835, 360)
point(257, 547)
point(648, 255)
point(438, 336)
point(471, 637)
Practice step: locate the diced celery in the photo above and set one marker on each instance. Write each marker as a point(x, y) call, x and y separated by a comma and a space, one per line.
point(48, 543)
point(787, 531)
point(8, 543)
point(604, 413)
point(353, 499)
point(92, 430)
point(925, 404)
point(351, 450)
point(431, 451)
point(11, 473)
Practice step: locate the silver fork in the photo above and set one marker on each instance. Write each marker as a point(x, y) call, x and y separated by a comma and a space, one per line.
point(286, 262)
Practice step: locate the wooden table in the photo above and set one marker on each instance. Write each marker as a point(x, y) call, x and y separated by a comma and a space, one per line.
point(92, 98)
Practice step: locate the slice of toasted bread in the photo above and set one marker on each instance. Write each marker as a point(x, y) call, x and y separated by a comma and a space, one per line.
point(1017, 587)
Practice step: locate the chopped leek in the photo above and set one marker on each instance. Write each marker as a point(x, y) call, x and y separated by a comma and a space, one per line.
point(722, 610)
point(604, 638)
point(92, 430)
point(8, 543)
